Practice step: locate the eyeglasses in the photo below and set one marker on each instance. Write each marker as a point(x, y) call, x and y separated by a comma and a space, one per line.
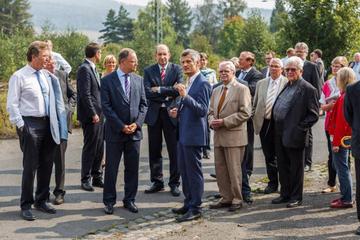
point(336, 66)
point(291, 69)
point(275, 66)
point(224, 71)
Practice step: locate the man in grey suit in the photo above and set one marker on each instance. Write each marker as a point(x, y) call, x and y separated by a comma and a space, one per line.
point(266, 93)
point(69, 96)
point(36, 106)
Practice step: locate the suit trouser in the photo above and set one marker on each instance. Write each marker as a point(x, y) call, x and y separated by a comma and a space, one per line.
point(291, 169)
point(248, 160)
point(38, 148)
point(309, 150)
point(92, 152)
point(331, 171)
point(228, 173)
point(357, 175)
point(268, 147)
point(191, 175)
point(59, 162)
point(163, 124)
point(114, 151)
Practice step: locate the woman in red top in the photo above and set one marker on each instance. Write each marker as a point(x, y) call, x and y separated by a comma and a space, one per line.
point(339, 128)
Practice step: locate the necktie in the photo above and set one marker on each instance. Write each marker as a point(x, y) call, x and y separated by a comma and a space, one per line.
point(127, 85)
point(162, 75)
point(270, 100)
point(242, 75)
point(43, 91)
point(221, 101)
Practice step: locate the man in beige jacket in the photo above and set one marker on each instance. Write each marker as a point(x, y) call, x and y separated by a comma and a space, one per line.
point(230, 108)
point(266, 92)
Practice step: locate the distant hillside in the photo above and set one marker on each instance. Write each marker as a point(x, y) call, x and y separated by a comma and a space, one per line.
point(86, 16)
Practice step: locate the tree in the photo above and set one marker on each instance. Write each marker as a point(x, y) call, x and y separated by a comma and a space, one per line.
point(333, 28)
point(256, 37)
point(118, 28)
point(230, 36)
point(231, 8)
point(181, 18)
point(208, 22)
point(14, 16)
point(278, 16)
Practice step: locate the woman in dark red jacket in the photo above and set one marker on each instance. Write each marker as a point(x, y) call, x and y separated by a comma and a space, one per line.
point(338, 129)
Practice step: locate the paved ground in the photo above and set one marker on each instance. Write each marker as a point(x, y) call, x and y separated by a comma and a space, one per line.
point(82, 214)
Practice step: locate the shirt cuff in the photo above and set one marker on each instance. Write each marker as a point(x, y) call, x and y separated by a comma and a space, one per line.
point(20, 123)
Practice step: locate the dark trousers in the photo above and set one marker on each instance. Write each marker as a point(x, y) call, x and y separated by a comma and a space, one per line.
point(291, 169)
point(92, 152)
point(357, 175)
point(331, 171)
point(59, 162)
point(207, 147)
point(163, 124)
point(268, 147)
point(309, 150)
point(38, 148)
point(114, 151)
point(248, 160)
point(191, 175)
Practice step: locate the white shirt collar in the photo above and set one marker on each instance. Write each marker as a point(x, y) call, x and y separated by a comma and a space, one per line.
point(92, 64)
point(160, 66)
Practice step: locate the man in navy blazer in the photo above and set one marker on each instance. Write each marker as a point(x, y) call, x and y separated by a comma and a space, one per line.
point(159, 81)
point(124, 105)
point(192, 133)
point(90, 115)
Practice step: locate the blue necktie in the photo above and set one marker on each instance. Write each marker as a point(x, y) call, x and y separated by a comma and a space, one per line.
point(43, 91)
point(127, 85)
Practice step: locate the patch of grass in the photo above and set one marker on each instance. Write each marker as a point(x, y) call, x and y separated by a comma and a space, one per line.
point(7, 130)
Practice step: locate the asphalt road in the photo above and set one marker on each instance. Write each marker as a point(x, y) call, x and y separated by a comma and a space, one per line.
point(82, 212)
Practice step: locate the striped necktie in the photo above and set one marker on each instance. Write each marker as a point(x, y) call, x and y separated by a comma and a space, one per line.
point(162, 74)
point(270, 99)
point(44, 92)
point(221, 101)
point(127, 85)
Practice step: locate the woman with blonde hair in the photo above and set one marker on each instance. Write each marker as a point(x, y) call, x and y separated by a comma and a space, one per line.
point(109, 65)
point(330, 92)
point(338, 129)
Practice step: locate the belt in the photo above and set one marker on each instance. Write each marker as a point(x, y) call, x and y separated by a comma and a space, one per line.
point(44, 118)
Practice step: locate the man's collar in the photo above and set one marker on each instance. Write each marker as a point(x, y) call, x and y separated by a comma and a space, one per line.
point(92, 64)
point(160, 66)
point(246, 70)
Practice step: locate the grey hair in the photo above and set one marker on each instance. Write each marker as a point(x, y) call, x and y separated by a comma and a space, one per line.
point(195, 56)
point(228, 64)
point(278, 61)
point(294, 60)
point(161, 45)
point(302, 45)
point(357, 54)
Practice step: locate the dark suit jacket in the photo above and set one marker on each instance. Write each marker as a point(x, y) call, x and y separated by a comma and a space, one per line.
point(251, 78)
point(69, 95)
point(303, 114)
point(352, 115)
point(192, 115)
point(88, 98)
point(264, 71)
point(311, 74)
point(119, 111)
point(167, 92)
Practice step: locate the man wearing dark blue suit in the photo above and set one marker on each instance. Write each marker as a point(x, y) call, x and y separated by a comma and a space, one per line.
point(192, 133)
point(159, 81)
point(124, 105)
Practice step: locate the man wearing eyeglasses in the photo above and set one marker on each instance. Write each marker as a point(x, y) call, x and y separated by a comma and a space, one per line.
point(295, 111)
point(265, 95)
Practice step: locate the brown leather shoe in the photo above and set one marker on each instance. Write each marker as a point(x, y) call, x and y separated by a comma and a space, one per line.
point(235, 207)
point(219, 205)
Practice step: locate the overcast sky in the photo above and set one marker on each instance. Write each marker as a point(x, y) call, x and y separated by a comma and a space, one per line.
point(250, 3)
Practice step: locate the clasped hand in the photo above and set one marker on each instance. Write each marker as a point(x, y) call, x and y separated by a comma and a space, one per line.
point(129, 129)
point(217, 123)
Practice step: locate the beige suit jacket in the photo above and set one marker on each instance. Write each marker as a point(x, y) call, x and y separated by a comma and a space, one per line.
point(260, 101)
point(235, 111)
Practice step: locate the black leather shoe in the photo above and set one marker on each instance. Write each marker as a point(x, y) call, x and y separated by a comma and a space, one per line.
point(109, 209)
point(219, 205)
point(188, 216)
point(307, 168)
point(98, 183)
point(45, 207)
point(59, 199)
point(248, 199)
point(206, 155)
point(154, 188)
point(175, 191)
point(217, 195)
point(357, 231)
point(294, 203)
point(279, 200)
point(269, 190)
point(181, 210)
point(131, 207)
point(235, 207)
point(213, 175)
point(87, 187)
point(27, 215)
